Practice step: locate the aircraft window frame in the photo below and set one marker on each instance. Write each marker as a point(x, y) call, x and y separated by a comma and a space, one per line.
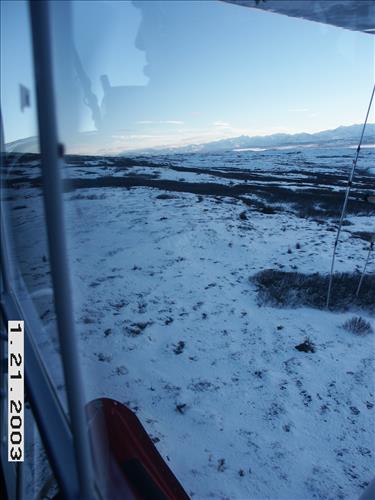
point(65, 439)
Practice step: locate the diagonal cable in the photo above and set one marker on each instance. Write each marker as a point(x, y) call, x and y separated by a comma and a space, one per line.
point(348, 187)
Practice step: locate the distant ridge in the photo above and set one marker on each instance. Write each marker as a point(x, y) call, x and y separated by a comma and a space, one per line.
point(340, 136)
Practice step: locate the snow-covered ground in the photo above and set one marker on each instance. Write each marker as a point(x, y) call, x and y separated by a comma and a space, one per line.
point(169, 323)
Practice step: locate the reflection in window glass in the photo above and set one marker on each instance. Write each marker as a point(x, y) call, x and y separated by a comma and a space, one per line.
point(21, 193)
point(171, 234)
point(38, 478)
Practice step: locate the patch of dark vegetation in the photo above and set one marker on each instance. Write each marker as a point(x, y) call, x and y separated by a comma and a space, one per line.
point(274, 411)
point(201, 386)
point(121, 370)
point(116, 162)
point(99, 281)
point(92, 197)
point(313, 198)
point(293, 289)
point(243, 215)
point(179, 349)
point(165, 197)
point(104, 358)
point(88, 321)
point(363, 235)
point(136, 329)
point(358, 326)
point(268, 210)
point(354, 410)
point(221, 465)
point(306, 398)
point(118, 305)
point(20, 158)
point(306, 346)
point(181, 408)
point(345, 222)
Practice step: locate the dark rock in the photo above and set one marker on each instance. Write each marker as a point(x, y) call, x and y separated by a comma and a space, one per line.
point(306, 346)
point(354, 410)
point(179, 347)
point(181, 408)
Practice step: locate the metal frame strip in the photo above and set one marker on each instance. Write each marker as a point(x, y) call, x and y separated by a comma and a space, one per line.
point(47, 410)
point(53, 203)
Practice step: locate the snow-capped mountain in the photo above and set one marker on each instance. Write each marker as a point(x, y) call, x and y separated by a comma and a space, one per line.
point(341, 136)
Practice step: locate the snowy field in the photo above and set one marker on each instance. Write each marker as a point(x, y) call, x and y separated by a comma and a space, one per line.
point(162, 251)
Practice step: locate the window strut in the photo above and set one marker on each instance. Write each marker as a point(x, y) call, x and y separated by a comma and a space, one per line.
point(53, 203)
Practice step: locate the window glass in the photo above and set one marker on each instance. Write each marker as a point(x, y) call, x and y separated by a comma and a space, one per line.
point(21, 181)
point(207, 151)
point(38, 478)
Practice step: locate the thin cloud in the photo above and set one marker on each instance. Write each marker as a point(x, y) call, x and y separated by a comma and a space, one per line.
point(221, 124)
point(299, 110)
point(173, 122)
point(160, 122)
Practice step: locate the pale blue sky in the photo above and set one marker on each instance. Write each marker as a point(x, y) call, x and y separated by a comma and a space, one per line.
point(189, 71)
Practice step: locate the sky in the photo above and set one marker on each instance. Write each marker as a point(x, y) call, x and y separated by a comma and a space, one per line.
point(180, 72)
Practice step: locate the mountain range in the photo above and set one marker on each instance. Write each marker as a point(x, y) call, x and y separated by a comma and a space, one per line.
point(340, 136)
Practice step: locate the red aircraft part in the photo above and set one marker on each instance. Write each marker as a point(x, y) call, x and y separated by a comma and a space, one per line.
point(127, 463)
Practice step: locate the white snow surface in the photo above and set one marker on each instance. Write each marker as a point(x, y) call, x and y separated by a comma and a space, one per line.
point(261, 420)
point(169, 324)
